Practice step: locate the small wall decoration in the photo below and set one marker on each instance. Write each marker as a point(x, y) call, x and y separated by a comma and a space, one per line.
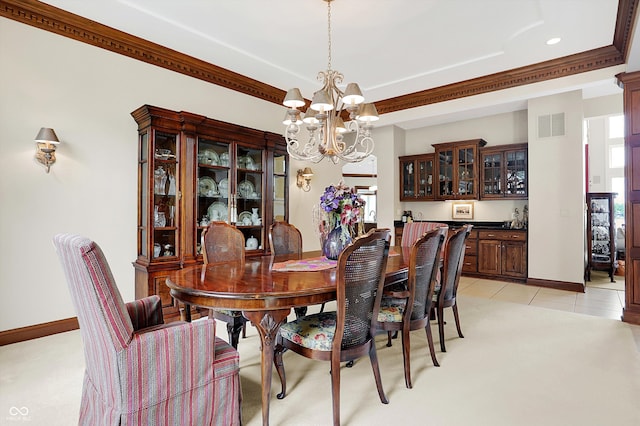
point(462, 210)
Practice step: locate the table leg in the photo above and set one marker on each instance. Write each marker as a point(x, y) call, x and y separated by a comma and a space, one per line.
point(187, 312)
point(268, 323)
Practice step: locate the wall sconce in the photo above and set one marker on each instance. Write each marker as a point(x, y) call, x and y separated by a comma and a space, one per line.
point(304, 179)
point(46, 142)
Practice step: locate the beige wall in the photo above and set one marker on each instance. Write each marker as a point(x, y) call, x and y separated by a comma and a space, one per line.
point(86, 94)
point(87, 97)
point(557, 192)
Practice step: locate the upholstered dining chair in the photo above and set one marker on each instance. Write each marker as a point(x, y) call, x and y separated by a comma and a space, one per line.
point(138, 370)
point(446, 292)
point(286, 239)
point(410, 309)
point(223, 243)
point(414, 230)
point(347, 333)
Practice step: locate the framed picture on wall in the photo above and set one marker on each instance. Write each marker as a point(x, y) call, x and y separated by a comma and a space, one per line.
point(462, 210)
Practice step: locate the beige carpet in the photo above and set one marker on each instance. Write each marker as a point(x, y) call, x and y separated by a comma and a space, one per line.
point(517, 365)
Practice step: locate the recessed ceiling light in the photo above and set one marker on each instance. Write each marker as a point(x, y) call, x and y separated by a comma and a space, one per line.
point(554, 40)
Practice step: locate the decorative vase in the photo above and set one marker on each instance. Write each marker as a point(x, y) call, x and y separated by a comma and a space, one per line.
point(255, 217)
point(333, 245)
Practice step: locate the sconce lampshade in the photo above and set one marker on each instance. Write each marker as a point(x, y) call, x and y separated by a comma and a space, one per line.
point(46, 141)
point(47, 135)
point(303, 179)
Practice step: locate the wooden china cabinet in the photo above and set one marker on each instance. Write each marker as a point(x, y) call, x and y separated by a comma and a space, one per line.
point(601, 233)
point(504, 172)
point(192, 170)
point(457, 169)
point(417, 177)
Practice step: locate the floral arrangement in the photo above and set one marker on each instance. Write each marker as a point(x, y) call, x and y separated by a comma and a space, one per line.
point(341, 206)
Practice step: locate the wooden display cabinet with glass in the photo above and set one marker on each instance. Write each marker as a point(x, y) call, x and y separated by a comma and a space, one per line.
point(504, 172)
point(416, 177)
point(601, 234)
point(457, 169)
point(193, 170)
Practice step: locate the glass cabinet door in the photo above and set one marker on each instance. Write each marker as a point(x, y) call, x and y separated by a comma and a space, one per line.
point(165, 214)
point(445, 167)
point(600, 230)
point(213, 192)
point(425, 178)
point(249, 209)
point(492, 174)
point(279, 187)
point(466, 171)
point(516, 173)
point(408, 179)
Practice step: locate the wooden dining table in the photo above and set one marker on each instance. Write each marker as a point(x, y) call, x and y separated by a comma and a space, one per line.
point(265, 295)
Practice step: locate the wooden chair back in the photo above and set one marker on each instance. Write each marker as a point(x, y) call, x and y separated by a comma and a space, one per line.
point(453, 262)
point(222, 242)
point(424, 263)
point(360, 280)
point(285, 238)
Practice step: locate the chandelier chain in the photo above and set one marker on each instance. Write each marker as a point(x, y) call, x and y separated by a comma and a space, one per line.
point(329, 33)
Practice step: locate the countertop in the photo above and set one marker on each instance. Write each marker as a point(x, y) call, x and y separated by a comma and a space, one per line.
point(457, 224)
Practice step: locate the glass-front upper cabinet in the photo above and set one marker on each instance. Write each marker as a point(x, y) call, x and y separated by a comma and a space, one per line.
point(247, 208)
point(504, 172)
point(416, 177)
point(213, 192)
point(457, 169)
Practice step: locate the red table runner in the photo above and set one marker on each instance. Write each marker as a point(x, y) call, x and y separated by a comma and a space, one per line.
point(311, 264)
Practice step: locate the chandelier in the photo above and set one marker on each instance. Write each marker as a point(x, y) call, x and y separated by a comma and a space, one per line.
point(328, 135)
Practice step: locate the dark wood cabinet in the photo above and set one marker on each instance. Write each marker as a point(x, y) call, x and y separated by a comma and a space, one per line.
point(192, 170)
point(470, 264)
point(457, 169)
point(504, 172)
point(502, 253)
point(417, 177)
point(601, 233)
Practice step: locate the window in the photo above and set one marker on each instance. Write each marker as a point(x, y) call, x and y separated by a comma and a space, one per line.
point(616, 156)
point(616, 126)
point(369, 196)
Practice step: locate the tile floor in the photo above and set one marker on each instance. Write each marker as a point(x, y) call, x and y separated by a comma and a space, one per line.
point(600, 302)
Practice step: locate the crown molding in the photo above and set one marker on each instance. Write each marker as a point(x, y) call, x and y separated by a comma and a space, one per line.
point(61, 22)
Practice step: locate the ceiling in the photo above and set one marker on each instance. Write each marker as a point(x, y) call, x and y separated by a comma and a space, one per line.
point(392, 48)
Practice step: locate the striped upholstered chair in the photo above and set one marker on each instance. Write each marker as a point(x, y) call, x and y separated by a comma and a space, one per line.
point(414, 230)
point(140, 371)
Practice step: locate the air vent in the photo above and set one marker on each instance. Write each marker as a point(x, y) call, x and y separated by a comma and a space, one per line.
point(551, 125)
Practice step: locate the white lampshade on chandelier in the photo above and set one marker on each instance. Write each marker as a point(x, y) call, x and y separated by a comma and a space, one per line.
point(328, 135)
